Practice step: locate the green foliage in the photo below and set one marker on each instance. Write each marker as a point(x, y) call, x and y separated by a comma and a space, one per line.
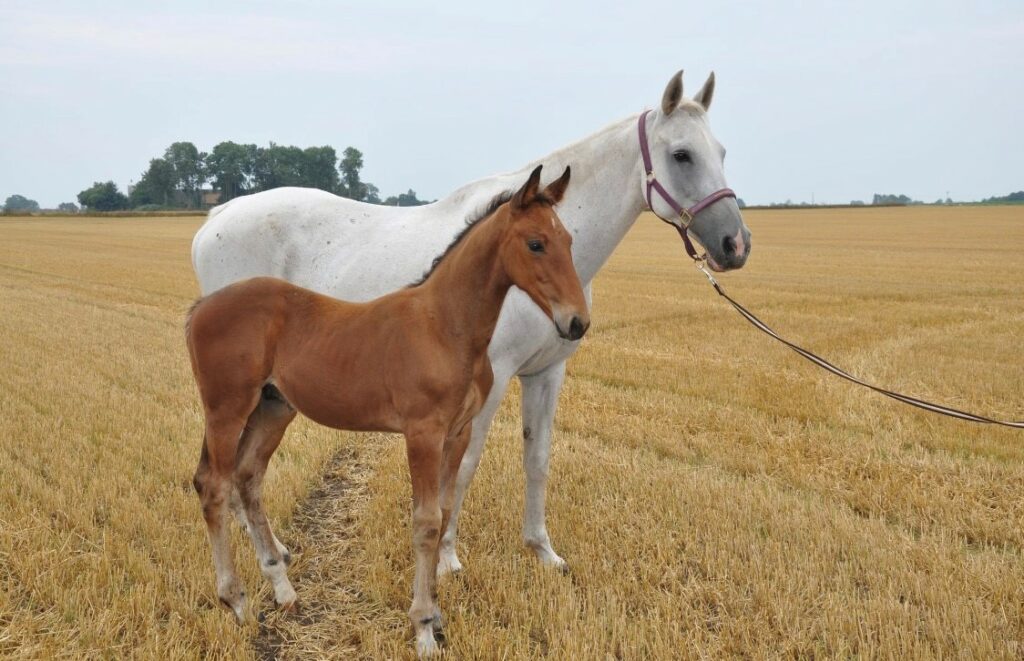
point(20, 203)
point(156, 186)
point(67, 207)
point(318, 169)
point(408, 199)
point(277, 166)
point(893, 199)
point(188, 165)
point(372, 194)
point(103, 197)
point(351, 164)
point(231, 167)
point(313, 167)
point(176, 180)
point(1012, 198)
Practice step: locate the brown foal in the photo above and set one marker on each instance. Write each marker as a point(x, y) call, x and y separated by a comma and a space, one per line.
point(414, 361)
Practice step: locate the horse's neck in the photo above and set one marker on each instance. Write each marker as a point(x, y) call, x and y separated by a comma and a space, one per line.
point(602, 202)
point(604, 197)
point(468, 287)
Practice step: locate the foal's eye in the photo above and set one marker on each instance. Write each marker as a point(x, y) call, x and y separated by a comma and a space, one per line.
point(535, 246)
point(682, 156)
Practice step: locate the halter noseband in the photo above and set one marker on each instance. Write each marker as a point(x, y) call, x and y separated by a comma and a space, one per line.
point(686, 216)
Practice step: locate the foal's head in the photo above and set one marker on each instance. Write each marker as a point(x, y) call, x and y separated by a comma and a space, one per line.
point(536, 252)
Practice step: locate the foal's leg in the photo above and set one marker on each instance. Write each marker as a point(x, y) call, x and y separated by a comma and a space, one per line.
point(262, 435)
point(448, 560)
point(213, 482)
point(423, 447)
point(540, 397)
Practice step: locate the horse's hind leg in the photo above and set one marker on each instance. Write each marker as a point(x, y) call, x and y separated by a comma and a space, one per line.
point(213, 482)
point(263, 433)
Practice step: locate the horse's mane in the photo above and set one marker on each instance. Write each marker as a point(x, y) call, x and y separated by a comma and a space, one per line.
point(473, 221)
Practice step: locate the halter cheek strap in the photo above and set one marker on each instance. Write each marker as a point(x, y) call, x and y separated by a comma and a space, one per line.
point(686, 215)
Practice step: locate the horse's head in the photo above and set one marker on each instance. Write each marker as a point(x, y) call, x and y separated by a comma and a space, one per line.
point(536, 252)
point(689, 162)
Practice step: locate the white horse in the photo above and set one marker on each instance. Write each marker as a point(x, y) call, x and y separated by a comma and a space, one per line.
point(356, 251)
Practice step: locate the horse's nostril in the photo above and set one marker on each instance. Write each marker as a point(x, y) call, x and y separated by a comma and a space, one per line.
point(729, 245)
point(576, 329)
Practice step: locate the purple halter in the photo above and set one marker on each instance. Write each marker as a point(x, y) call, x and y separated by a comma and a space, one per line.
point(686, 216)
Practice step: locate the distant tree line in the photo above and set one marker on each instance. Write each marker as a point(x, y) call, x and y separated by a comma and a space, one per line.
point(20, 203)
point(893, 199)
point(1012, 198)
point(177, 179)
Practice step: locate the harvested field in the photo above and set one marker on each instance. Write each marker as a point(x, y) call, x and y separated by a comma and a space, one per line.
point(715, 494)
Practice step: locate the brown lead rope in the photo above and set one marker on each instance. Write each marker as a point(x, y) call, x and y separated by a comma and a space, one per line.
point(824, 364)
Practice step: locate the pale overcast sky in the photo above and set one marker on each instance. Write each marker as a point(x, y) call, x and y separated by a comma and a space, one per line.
point(835, 99)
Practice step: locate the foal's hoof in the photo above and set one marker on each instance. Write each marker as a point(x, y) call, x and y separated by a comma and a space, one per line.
point(426, 645)
point(430, 637)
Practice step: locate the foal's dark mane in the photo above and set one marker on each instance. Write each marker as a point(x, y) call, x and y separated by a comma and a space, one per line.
point(488, 211)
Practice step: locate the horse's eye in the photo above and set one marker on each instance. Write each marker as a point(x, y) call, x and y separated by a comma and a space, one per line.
point(535, 246)
point(682, 156)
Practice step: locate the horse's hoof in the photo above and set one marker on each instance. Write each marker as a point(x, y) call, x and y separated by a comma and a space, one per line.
point(238, 609)
point(291, 606)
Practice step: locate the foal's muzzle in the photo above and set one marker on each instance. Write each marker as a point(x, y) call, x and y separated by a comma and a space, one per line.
point(577, 328)
point(574, 330)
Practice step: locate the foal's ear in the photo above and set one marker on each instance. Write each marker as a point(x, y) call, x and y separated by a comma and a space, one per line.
point(706, 92)
point(673, 94)
point(556, 189)
point(524, 196)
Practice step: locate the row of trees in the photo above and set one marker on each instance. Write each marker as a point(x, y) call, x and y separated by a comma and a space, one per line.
point(177, 179)
point(21, 204)
point(1012, 198)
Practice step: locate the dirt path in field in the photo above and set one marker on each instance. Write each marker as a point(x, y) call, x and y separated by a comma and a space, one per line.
point(324, 542)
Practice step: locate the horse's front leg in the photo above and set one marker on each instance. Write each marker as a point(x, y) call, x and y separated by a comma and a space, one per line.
point(540, 397)
point(449, 561)
point(423, 447)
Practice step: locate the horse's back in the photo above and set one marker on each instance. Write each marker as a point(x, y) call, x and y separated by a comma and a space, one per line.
point(336, 246)
point(296, 234)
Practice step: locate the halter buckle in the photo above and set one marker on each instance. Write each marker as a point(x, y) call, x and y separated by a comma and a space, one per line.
point(701, 264)
point(686, 218)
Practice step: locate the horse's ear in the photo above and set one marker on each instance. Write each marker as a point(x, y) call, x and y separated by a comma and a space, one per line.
point(706, 92)
point(556, 189)
point(524, 196)
point(673, 94)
